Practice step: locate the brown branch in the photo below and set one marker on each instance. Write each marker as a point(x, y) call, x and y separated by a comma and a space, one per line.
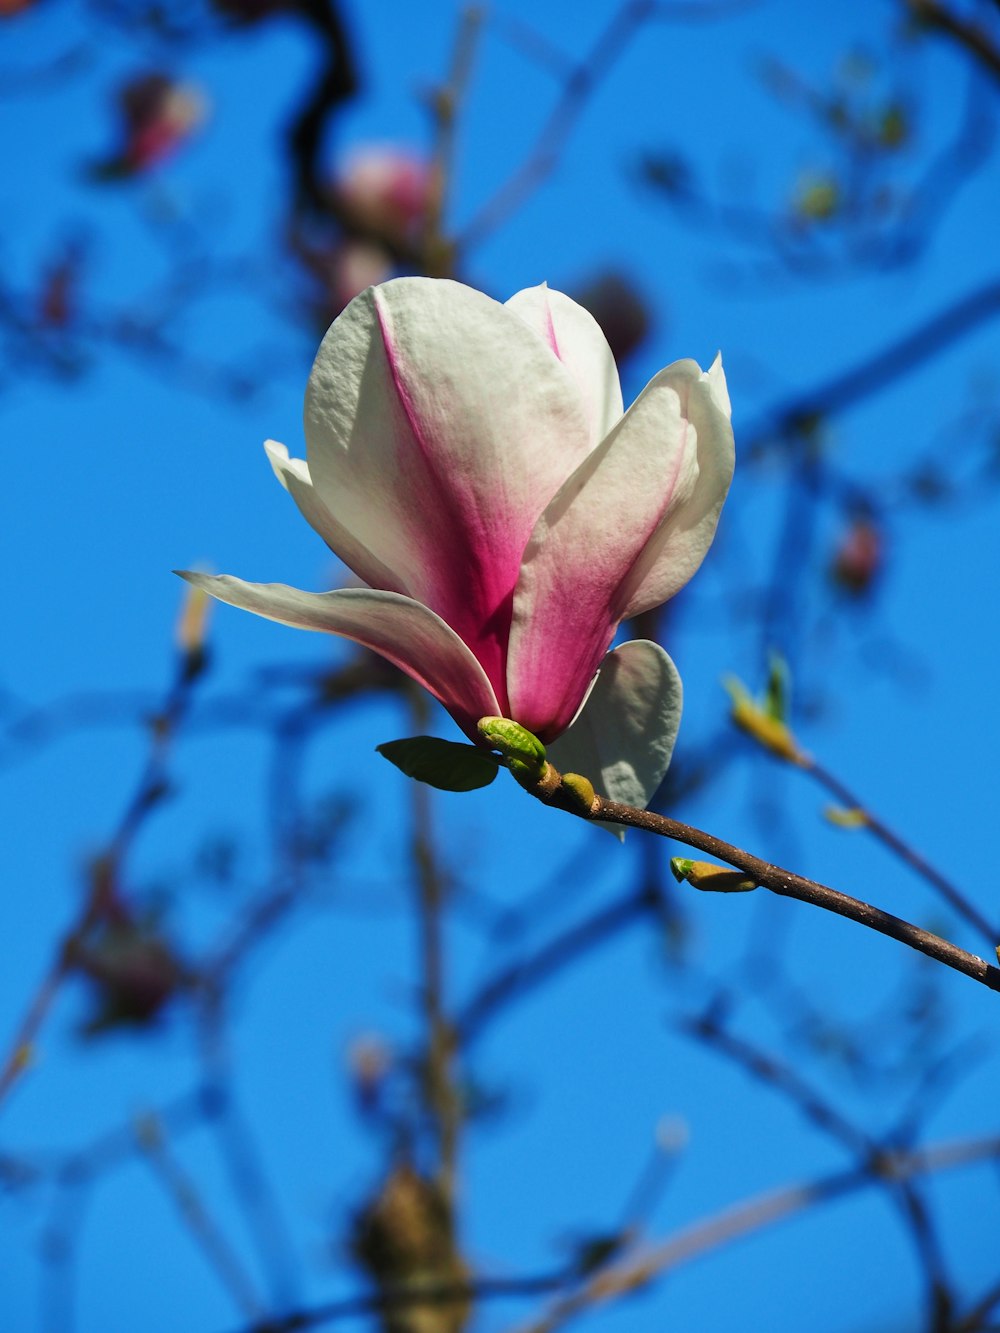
point(902, 849)
point(551, 790)
point(789, 885)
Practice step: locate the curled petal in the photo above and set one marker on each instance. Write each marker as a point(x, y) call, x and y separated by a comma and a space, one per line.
point(686, 531)
point(398, 628)
point(576, 338)
point(624, 736)
point(293, 473)
point(438, 428)
point(637, 495)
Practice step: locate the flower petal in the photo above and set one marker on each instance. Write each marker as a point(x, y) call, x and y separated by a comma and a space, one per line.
point(293, 473)
point(577, 339)
point(627, 530)
point(401, 630)
point(438, 429)
point(624, 736)
point(686, 533)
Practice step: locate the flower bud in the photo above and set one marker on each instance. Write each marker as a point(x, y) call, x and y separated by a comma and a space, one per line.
point(524, 752)
point(709, 877)
point(578, 791)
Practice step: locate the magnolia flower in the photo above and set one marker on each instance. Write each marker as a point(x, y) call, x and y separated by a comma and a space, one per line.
point(471, 463)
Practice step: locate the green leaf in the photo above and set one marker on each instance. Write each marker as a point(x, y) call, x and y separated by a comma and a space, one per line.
point(447, 765)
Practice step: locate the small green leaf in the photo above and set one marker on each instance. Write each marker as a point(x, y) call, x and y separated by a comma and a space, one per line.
point(447, 765)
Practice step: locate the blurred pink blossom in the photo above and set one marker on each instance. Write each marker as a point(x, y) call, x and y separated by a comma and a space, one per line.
point(386, 190)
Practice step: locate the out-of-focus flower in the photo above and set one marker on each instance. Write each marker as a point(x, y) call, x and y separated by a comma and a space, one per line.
point(858, 559)
point(158, 114)
point(385, 191)
point(470, 461)
point(618, 306)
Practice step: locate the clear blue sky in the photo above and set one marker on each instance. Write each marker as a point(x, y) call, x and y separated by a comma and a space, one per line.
point(123, 474)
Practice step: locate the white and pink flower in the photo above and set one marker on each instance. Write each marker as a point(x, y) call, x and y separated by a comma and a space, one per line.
point(472, 464)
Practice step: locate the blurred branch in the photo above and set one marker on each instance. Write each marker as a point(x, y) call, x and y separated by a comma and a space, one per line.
point(382, 1302)
point(984, 1310)
point(521, 977)
point(180, 1186)
point(442, 1096)
point(579, 81)
point(102, 898)
point(869, 1153)
point(445, 104)
point(639, 1269)
point(337, 83)
point(784, 422)
point(973, 38)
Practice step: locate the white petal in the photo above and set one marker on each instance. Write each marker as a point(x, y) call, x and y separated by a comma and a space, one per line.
point(624, 736)
point(293, 473)
point(577, 339)
point(438, 428)
point(399, 629)
point(677, 548)
point(629, 520)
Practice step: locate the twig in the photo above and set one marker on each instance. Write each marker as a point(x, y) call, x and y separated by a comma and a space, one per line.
point(789, 885)
point(551, 789)
point(902, 849)
point(442, 1097)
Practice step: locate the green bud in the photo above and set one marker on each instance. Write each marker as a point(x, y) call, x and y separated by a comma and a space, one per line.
point(525, 753)
point(580, 791)
point(711, 878)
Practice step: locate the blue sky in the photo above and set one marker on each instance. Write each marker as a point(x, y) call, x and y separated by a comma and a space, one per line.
point(124, 474)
